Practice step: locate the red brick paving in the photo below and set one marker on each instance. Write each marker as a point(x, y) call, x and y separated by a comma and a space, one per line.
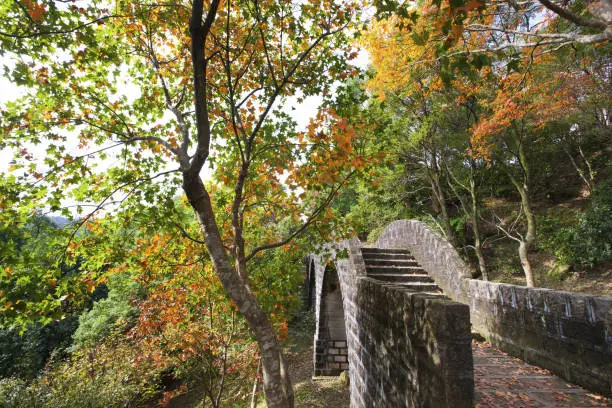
point(502, 381)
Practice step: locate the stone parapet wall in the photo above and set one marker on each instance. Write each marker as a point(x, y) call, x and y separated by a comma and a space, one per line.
point(567, 333)
point(435, 254)
point(408, 349)
point(402, 349)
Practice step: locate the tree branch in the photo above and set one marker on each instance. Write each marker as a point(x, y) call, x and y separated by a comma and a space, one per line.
point(199, 33)
point(313, 216)
point(568, 15)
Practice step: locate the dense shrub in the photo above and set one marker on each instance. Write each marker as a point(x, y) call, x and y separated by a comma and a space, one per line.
point(555, 233)
point(116, 311)
point(113, 374)
point(592, 238)
point(17, 393)
point(25, 355)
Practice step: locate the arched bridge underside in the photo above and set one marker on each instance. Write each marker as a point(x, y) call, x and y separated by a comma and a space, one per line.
point(398, 316)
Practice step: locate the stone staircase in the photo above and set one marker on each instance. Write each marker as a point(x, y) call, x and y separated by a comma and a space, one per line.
point(397, 266)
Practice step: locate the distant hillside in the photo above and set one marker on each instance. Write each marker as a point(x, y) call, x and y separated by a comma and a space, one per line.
point(59, 220)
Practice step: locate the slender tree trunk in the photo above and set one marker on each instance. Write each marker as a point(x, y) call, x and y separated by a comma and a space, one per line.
point(255, 386)
point(476, 230)
point(523, 190)
point(524, 257)
point(440, 197)
point(470, 210)
point(527, 241)
point(580, 172)
point(525, 193)
point(478, 247)
point(276, 382)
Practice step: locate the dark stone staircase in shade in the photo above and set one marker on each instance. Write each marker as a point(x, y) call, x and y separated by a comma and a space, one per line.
point(397, 266)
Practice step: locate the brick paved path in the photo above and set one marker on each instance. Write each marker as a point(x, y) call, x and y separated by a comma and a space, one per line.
point(507, 382)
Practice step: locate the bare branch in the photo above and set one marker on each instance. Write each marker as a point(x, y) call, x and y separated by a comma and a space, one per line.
point(185, 234)
point(161, 141)
point(568, 15)
point(313, 216)
point(181, 152)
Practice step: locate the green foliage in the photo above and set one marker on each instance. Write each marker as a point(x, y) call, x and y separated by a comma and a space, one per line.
point(107, 315)
point(277, 278)
point(109, 375)
point(585, 239)
point(591, 240)
point(556, 229)
point(16, 393)
point(36, 278)
point(301, 330)
point(25, 355)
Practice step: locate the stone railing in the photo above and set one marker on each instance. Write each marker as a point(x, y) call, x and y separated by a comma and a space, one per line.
point(567, 333)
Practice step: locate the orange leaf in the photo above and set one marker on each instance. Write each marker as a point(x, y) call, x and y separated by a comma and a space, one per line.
point(36, 10)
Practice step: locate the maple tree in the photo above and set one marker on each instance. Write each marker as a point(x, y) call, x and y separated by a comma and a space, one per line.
point(153, 93)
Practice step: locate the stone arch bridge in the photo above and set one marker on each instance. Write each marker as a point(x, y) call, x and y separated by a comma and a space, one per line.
point(399, 317)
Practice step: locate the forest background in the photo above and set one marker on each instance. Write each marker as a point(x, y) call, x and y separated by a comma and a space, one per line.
point(488, 120)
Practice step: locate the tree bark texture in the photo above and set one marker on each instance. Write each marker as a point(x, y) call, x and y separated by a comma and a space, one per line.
point(524, 257)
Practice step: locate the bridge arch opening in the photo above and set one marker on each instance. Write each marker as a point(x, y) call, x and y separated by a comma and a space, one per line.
point(331, 353)
point(310, 303)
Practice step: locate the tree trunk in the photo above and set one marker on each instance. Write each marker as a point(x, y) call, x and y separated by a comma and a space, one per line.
point(440, 197)
point(580, 172)
point(524, 257)
point(477, 242)
point(276, 382)
point(523, 190)
point(478, 249)
point(526, 198)
point(530, 237)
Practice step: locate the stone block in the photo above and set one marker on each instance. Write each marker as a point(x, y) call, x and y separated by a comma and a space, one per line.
point(456, 359)
point(543, 359)
point(460, 392)
point(600, 382)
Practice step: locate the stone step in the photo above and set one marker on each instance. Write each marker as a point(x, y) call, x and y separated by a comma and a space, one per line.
point(390, 257)
point(390, 262)
point(366, 250)
point(420, 287)
point(394, 277)
point(405, 270)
